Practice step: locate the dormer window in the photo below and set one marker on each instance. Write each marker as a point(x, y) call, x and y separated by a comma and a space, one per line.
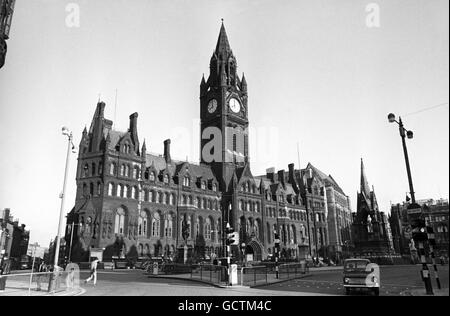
point(126, 148)
point(187, 181)
point(166, 179)
point(316, 191)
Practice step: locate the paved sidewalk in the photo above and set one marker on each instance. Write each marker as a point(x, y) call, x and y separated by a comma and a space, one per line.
point(422, 292)
point(18, 288)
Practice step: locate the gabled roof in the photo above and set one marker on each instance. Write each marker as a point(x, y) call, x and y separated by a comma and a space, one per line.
point(328, 179)
point(319, 173)
point(115, 137)
point(242, 172)
point(335, 185)
point(274, 187)
point(289, 189)
point(175, 167)
point(263, 180)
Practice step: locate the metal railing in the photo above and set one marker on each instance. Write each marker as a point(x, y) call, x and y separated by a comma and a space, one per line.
point(210, 273)
point(292, 270)
point(35, 284)
point(255, 275)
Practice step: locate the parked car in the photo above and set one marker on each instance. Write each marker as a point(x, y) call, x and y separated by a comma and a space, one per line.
point(360, 273)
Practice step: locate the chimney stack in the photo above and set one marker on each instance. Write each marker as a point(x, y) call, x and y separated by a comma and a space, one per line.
point(281, 174)
point(6, 215)
point(291, 172)
point(270, 172)
point(167, 150)
point(133, 123)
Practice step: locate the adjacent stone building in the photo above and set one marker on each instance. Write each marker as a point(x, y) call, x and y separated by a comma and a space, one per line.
point(436, 213)
point(14, 238)
point(330, 211)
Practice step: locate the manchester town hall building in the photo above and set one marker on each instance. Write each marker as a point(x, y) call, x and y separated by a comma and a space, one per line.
point(133, 204)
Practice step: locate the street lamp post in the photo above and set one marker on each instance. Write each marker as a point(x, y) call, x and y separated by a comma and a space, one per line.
point(403, 134)
point(70, 146)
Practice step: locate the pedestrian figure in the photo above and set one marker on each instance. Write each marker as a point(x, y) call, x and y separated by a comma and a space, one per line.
point(42, 268)
point(93, 274)
point(73, 276)
point(4, 270)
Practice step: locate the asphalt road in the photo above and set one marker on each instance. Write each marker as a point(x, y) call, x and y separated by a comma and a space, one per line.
point(135, 283)
point(395, 281)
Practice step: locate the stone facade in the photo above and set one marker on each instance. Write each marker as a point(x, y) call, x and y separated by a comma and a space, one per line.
point(131, 203)
point(330, 212)
point(437, 214)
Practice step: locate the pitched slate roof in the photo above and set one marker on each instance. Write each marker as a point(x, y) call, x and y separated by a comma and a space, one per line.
point(335, 185)
point(327, 179)
point(175, 167)
point(115, 137)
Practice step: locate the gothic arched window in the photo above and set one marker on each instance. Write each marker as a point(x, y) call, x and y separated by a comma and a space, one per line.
point(168, 226)
point(207, 229)
point(142, 224)
point(119, 222)
point(110, 189)
point(156, 225)
point(136, 172)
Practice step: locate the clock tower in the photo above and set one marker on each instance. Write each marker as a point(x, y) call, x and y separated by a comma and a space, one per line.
point(224, 115)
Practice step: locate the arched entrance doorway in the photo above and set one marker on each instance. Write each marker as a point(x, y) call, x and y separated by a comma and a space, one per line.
point(253, 251)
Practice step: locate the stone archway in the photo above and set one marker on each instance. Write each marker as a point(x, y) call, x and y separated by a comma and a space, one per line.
point(255, 248)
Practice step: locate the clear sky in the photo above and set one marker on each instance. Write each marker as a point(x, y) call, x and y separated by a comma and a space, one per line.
point(317, 74)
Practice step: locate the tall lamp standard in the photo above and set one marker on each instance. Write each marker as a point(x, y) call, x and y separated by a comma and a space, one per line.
point(403, 134)
point(413, 206)
point(70, 147)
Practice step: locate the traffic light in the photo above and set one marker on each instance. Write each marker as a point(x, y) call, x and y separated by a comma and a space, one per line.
point(417, 222)
point(232, 238)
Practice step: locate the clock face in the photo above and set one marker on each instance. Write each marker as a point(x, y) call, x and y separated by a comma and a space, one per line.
point(235, 106)
point(212, 106)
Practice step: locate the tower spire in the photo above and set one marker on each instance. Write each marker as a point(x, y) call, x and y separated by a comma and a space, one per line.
point(222, 42)
point(364, 183)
